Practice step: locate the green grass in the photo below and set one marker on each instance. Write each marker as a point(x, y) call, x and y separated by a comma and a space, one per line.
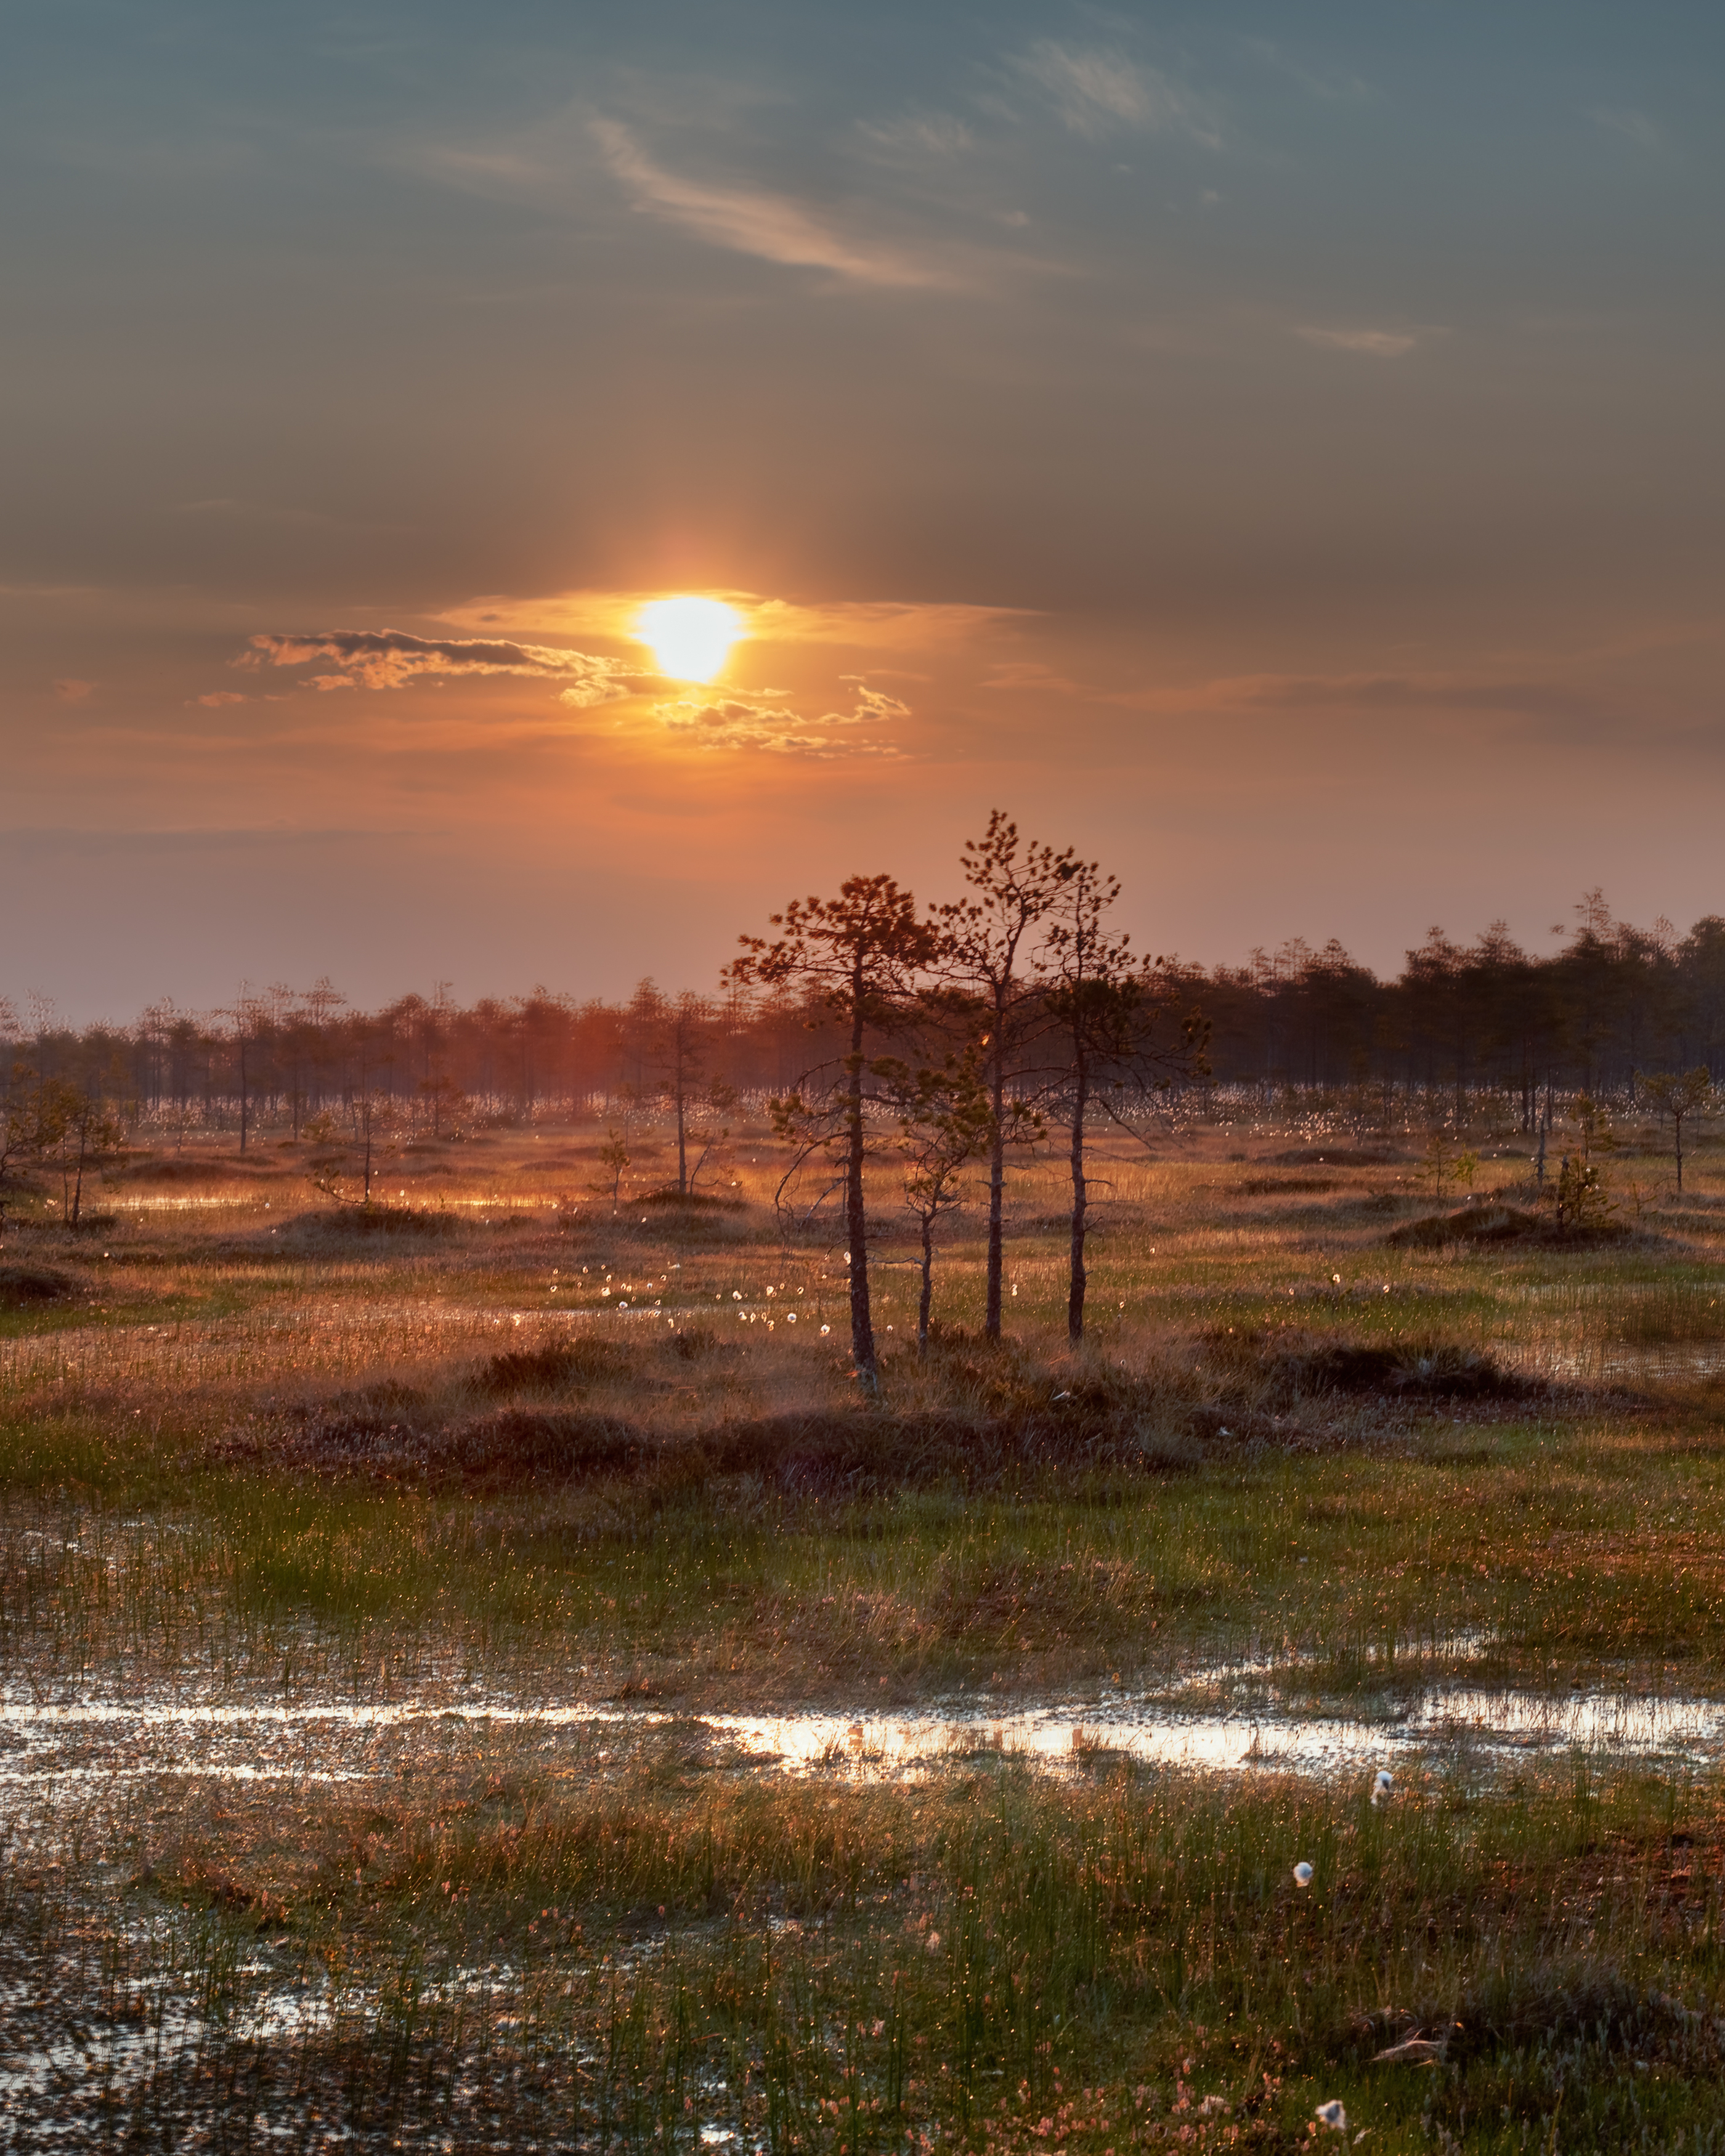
point(1119, 1957)
point(1567, 1546)
point(1202, 1497)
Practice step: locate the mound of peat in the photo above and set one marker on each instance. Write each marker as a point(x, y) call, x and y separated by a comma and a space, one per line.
point(1549, 2010)
point(1399, 1370)
point(178, 1171)
point(564, 1365)
point(370, 1224)
point(816, 1453)
point(1500, 1224)
point(679, 1201)
point(1277, 1186)
point(33, 1287)
point(1002, 1416)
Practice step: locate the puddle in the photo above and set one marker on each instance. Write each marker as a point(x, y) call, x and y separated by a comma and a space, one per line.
point(159, 2020)
point(96, 1743)
point(1482, 1722)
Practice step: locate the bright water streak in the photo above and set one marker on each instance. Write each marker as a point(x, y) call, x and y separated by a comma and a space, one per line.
point(112, 1739)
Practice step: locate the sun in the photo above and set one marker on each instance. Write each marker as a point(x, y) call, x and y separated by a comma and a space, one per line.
point(691, 638)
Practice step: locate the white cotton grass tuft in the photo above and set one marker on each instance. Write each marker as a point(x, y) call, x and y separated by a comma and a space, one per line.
point(1302, 1874)
point(1332, 2114)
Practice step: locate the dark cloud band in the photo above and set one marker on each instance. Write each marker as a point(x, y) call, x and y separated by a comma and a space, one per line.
point(391, 659)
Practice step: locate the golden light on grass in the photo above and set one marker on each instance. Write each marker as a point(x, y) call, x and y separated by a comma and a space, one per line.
point(691, 638)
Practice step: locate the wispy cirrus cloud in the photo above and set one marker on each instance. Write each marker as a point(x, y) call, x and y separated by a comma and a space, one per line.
point(1372, 344)
point(753, 221)
point(1331, 85)
point(870, 704)
point(391, 659)
point(1096, 90)
point(1630, 125)
point(925, 134)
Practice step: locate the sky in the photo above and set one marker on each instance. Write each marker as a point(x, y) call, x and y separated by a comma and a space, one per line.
point(1275, 449)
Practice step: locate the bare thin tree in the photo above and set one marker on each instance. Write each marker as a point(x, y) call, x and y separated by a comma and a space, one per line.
point(945, 1122)
point(707, 1130)
point(990, 960)
point(678, 1058)
point(77, 1129)
point(1089, 1004)
point(1677, 1098)
point(859, 956)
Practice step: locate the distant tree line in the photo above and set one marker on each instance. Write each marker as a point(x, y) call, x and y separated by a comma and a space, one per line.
point(1611, 1001)
point(1460, 1021)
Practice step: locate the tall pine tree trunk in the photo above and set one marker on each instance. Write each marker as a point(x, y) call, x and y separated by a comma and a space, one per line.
point(1080, 1101)
point(862, 1330)
point(997, 1177)
point(926, 1304)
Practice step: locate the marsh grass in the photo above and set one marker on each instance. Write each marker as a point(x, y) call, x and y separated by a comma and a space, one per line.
point(1564, 1550)
point(266, 1453)
point(1117, 1959)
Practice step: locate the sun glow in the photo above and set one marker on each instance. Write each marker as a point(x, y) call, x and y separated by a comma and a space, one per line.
point(691, 638)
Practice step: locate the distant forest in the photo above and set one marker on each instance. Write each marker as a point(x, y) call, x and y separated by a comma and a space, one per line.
point(1459, 1023)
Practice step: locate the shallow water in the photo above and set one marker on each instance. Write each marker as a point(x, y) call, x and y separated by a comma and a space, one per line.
point(1505, 1724)
point(278, 1999)
point(110, 1740)
point(87, 1746)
